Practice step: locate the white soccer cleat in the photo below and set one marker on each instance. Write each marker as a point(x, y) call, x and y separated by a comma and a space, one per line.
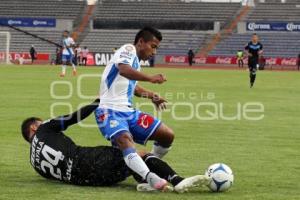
point(191, 182)
point(145, 187)
point(156, 182)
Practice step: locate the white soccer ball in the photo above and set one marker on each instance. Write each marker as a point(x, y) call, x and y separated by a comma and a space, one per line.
point(221, 177)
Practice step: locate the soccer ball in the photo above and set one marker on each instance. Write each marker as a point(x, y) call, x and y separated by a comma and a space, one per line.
point(221, 177)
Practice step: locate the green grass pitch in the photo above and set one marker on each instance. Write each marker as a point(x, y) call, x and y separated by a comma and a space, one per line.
point(263, 154)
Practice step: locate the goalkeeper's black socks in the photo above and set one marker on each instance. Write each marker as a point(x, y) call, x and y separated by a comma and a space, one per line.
point(252, 79)
point(162, 169)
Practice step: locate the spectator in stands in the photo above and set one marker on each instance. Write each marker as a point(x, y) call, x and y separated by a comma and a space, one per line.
point(191, 56)
point(32, 53)
point(240, 58)
point(298, 61)
point(262, 62)
point(84, 52)
point(58, 56)
point(78, 54)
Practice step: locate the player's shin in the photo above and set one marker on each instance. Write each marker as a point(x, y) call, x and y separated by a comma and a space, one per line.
point(74, 69)
point(136, 164)
point(159, 151)
point(63, 70)
point(162, 169)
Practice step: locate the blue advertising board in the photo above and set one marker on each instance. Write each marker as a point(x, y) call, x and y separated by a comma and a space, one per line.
point(28, 22)
point(273, 26)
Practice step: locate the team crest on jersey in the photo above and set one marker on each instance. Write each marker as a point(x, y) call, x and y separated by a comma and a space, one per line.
point(102, 117)
point(145, 121)
point(129, 48)
point(113, 123)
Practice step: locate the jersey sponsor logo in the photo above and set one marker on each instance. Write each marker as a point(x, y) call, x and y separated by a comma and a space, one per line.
point(255, 47)
point(113, 123)
point(145, 121)
point(126, 54)
point(69, 170)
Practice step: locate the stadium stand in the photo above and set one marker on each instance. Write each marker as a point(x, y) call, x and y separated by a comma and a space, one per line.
point(276, 11)
point(275, 45)
point(279, 44)
point(21, 42)
point(162, 10)
point(39, 8)
point(174, 42)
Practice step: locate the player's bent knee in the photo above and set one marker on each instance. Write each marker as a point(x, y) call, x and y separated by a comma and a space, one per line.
point(124, 141)
point(170, 135)
point(164, 136)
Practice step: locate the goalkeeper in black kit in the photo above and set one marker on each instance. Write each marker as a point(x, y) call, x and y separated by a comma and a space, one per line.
point(55, 156)
point(254, 50)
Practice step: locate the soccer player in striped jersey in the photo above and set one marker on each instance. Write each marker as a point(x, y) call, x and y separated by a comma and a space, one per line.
point(124, 125)
point(67, 53)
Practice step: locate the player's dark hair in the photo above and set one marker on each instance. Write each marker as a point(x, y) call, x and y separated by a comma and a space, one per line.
point(148, 33)
point(25, 127)
point(66, 31)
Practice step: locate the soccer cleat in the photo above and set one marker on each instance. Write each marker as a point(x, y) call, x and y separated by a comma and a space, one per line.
point(62, 75)
point(74, 72)
point(251, 85)
point(145, 187)
point(191, 182)
point(156, 182)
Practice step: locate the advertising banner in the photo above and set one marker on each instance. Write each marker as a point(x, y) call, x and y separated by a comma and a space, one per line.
point(273, 26)
point(227, 60)
point(28, 22)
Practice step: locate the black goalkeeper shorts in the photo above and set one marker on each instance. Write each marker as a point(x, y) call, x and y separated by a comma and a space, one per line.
point(253, 62)
point(99, 166)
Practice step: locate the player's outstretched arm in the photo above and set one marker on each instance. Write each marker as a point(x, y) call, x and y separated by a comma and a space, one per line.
point(142, 92)
point(132, 74)
point(63, 122)
point(158, 101)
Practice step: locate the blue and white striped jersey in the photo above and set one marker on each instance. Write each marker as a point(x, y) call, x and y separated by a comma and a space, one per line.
point(116, 91)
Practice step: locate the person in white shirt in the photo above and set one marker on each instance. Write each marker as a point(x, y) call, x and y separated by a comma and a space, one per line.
point(67, 53)
point(85, 52)
point(124, 125)
point(78, 54)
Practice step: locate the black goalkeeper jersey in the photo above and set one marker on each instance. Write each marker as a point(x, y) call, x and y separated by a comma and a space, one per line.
point(254, 49)
point(55, 156)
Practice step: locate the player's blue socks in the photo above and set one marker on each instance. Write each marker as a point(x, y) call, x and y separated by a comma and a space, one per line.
point(135, 162)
